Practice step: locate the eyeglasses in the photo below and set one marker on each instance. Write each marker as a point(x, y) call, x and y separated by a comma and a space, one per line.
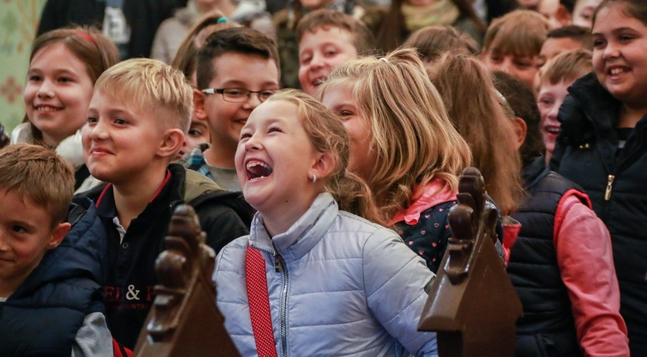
point(240, 95)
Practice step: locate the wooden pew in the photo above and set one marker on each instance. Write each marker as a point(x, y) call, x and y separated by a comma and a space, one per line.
point(472, 304)
point(184, 319)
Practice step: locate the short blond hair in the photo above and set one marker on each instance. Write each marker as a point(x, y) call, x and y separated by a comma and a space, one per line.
point(150, 84)
point(37, 173)
point(414, 140)
point(567, 66)
point(520, 32)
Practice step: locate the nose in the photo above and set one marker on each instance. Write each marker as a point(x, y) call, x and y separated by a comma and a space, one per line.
point(253, 101)
point(97, 131)
point(3, 244)
point(253, 144)
point(46, 89)
point(317, 61)
point(611, 50)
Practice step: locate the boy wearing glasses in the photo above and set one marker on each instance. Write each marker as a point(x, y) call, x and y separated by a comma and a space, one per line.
point(237, 69)
point(137, 119)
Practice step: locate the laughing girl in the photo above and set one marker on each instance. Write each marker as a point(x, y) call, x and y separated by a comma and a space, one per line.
point(329, 282)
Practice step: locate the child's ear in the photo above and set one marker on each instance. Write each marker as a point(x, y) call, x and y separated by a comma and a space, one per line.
point(171, 143)
point(323, 166)
point(563, 16)
point(521, 129)
point(199, 110)
point(58, 234)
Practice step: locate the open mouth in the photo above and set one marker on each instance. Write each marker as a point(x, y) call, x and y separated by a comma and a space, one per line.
point(617, 70)
point(555, 130)
point(257, 170)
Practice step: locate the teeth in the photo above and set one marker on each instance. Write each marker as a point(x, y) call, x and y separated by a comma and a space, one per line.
point(256, 163)
point(615, 71)
point(46, 109)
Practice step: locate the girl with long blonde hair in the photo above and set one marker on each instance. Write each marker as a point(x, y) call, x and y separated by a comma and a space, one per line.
point(402, 143)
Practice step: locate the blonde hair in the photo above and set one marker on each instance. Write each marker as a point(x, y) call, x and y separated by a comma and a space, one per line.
point(567, 66)
point(485, 124)
point(327, 134)
point(412, 136)
point(520, 32)
point(150, 84)
point(38, 173)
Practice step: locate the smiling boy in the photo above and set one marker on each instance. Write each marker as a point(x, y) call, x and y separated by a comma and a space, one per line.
point(137, 119)
point(328, 38)
point(237, 69)
point(513, 42)
point(51, 260)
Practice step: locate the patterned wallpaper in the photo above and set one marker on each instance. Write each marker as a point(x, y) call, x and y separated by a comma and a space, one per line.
point(18, 22)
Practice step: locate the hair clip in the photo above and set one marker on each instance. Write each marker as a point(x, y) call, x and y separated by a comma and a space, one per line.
point(221, 20)
point(86, 35)
point(383, 59)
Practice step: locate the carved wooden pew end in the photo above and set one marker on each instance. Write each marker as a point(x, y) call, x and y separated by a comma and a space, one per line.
point(184, 319)
point(472, 304)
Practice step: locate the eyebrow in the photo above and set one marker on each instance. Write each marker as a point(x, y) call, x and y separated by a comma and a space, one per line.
point(234, 82)
point(25, 224)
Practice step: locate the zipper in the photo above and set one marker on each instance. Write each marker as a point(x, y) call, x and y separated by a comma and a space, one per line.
point(279, 266)
point(607, 193)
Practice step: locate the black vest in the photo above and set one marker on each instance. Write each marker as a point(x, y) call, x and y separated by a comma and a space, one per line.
point(547, 323)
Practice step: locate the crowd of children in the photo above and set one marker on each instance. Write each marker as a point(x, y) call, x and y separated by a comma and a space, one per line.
point(328, 206)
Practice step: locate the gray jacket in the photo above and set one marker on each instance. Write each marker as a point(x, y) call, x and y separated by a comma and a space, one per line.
point(338, 285)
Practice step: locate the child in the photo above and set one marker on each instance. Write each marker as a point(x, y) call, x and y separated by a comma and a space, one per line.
point(287, 21)
point(184, 60)
point(403, 17)
point(601, 147)
point(172, 31)
point(513, 42)
point(561, 263)
point(565, 39)
point(237, 69)
point(63, 66)
point(433, 41)
point(402, 143)
point(137, 118)
point(486, 127)
point(328, 38)
point(337, 284)
point(577, 12)
point(554, 79)
point(52, 265)
point(549, 8)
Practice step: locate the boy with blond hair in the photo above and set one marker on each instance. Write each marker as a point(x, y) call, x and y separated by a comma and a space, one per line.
point(52, 260)
point(237, 69)
point(137, 119)
point(328, 38)
point(512, 44)
point(554, 79)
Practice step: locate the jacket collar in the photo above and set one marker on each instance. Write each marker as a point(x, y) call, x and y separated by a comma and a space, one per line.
point(534, 172)
point(596, 102)
point(304, 234)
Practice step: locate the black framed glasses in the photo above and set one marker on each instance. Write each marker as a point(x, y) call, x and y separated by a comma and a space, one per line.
point(240, 95)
